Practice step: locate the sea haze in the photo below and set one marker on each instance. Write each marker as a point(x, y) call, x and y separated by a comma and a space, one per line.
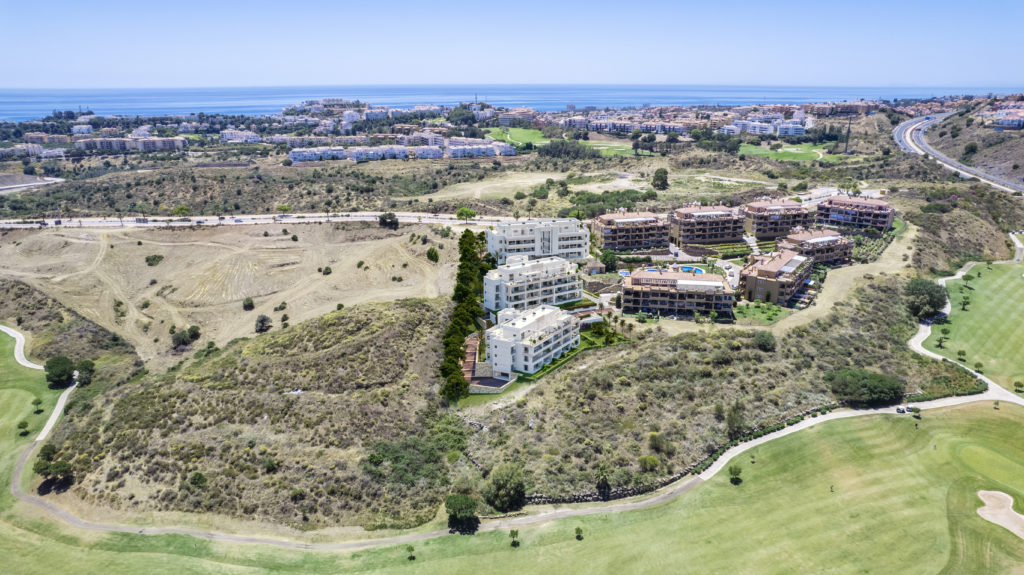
point(19, 105)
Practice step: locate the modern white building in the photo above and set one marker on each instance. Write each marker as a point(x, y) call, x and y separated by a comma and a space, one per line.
point(790, 128)
point(316, 154)
point(566, 238)
point(428, 152)
point(81, 129)
point(368, 153)
point(526, 340)
point(521, 283)
point(239, 136)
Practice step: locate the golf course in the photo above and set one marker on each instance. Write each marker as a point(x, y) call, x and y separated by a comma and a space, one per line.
point(988, 327)
point(884, 493)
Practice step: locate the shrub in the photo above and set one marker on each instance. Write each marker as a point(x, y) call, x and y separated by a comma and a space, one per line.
point(764, 340)
point(460, 506)
point(263, 323)
point(648, 462)
point(506, 489)
point(154, 260)
point(432, 254)
point(862, 387)
point(924, 298)
point(247, 304)
point(326, 271)
point(59, 371)
point(197, 480)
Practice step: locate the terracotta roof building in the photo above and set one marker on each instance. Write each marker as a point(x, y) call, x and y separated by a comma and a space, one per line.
point(705, 225)
point(852, 212)
point(769, 219)
point(676, 293)
point(775, 277)
point(624, 232)
point(825, 246)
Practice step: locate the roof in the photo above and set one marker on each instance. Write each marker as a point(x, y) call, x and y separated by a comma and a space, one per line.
point(678, 279)
point(706, 210)
point(625, 217)
point(785, 261)
point(874, 202)
point(813, 236)
point(773, 204)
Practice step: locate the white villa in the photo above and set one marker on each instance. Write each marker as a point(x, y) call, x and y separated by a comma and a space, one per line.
point(521, 283)
point(566, 238)
point(527, 340)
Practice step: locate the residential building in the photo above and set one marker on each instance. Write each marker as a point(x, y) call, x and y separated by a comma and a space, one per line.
point(317, 154)
point(624, 231)
point(428, 152)
point(676, 293)
point(521, 283)
point(239, 136)
point(19, 150)
point(790, 129)
point(158, 144)
point(705, 225)
point(81, 129)
point(35, 137)
point(526, 340)
point(129, 144)
point(566, 238)
point(57, 139)
point(825, 246)
point(298, 141)
point(367, 153)
point(856, 212)
point(769, 219)
point(775, 277)
point(421, 139)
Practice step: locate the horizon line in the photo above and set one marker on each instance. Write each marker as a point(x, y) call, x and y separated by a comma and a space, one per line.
point(533, 84)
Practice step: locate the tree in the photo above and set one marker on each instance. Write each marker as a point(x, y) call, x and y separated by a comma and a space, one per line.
point(514, 535)
point(410, 552)
point(460, 506)
point(61, 469)
point(263, 324)
point(968, 278)
point(36, 403)
point(432, 254)
point(609, 260)
point(465, 214)
point(247, 304)
point(506, 488)
point(924, 298)
point(734, 474)
point(23, 427)
point(945, 336)
point(41, 467)
point(59, 371)
point(672, 138)
point(579, 534)
point(764, 340)
point(734, 423)
point(966, 301)
point(48, 452)
point(197, 480)
point(660, 179)
point(978, 366)
point(971, 148)
point(388, 220)
point(618, 301)
point(180, 339)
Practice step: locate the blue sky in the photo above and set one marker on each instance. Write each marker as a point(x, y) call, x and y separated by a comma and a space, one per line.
point(114, 44)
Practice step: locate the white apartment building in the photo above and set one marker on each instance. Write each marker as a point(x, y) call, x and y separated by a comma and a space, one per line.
point(527, 340)
point(81, 129)
point(522, 283)
point(421, 139)
point(566, 238)
point(316, 154)
point(375, 113)
point(239, 136)
point(428, 152)
point(368, 153)
point(471, 151)
point(790, 129)
point(730, 130)
point(755, 127)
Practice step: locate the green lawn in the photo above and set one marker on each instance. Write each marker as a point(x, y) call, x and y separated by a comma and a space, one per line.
point(760, 313)
point(990, 330)
point(904, 502)
point(791, 152)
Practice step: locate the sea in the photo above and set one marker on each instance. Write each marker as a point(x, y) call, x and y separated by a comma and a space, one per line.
point(29, 104)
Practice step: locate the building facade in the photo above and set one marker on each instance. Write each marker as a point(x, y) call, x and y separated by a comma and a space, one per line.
point(825, 246)
point(522, 283)
point(625, 232)
point(705, 225)
point(526, 340)
point(676, 293)
point(769, 219)
point(561, 237)
point(851, 212)
point(775, 277)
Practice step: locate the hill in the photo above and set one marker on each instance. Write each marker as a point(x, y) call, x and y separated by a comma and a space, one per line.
point(1000, 153)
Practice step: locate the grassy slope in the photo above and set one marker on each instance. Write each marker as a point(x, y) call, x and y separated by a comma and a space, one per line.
point(797, 152)
point(997, 151)
point(989, 331)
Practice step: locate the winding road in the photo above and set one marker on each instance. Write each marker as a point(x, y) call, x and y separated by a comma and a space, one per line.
point(663, 495)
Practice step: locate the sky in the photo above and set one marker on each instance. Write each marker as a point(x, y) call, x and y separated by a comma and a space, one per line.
point(187, 43)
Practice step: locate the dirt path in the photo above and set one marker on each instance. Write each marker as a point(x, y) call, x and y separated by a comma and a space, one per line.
point(998, 509)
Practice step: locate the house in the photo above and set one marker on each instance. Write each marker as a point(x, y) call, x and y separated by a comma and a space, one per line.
point(676, 293)
point(527, 340)
point(566, 238)
point(705, 225)
point(775, 277)
point(769, 219)
point(35, 137)
point(624, 231)
point(825, 246)
point(856, 212)
point(521, 283)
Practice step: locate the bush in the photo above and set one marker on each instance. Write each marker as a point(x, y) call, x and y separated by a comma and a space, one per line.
point(862, 387)
point(247, 304)
point(154, 260)
point(506, 489)
point(326, 271)
point(460, 506)
point(764, 340)
point(432, 254)
point(263, 323)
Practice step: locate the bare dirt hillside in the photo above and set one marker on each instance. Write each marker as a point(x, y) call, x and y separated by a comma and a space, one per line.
point(999, 153)
point(203, 276)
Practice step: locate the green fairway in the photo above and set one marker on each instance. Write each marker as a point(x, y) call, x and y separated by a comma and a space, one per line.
point(990, 329)
point(791, 152)
point(518, 136)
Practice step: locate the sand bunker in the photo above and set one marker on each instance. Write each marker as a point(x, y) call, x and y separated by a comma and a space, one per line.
point(998, 509)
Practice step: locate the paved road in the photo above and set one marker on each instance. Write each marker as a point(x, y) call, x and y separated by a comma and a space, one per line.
point(249, 220)
point(910, 137)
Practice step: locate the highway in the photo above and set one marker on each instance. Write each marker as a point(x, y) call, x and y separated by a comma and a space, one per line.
point(244, 220)
point(910, 137)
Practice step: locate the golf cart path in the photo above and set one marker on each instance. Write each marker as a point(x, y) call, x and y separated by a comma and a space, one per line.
point(998, 509)
point(665, 494)
point(19, 356)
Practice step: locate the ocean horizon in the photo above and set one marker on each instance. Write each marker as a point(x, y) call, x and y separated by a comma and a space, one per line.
point(30, 104)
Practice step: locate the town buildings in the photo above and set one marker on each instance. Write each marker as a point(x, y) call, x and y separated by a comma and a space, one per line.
point(856, 212)
point(527, 340)
point(705, 225)
point(676, 293)
point(132, 144)
point(522, 283)
point(316, 154)
point(624, 231)
point(825, 246)
point(769, 219)
point(239, 136)
point(775, 277)
point(81, 129)
point(566, 238)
